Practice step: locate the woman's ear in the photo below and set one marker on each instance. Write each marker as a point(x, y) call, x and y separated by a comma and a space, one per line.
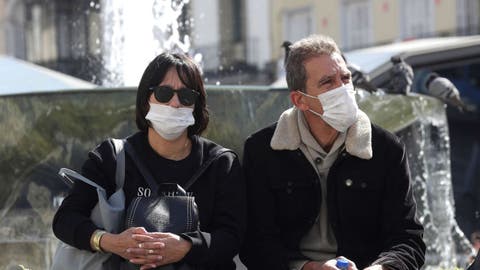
point(299, 100)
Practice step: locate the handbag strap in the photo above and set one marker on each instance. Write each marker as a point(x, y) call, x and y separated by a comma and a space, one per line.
point(120, 166)
point(119, 172)
point(151, 181)
point(141, 167)
point(67, 173)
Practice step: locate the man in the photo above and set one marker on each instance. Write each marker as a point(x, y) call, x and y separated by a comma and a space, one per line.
point(323, 182)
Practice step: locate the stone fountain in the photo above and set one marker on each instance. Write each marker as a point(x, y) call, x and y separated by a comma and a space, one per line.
point(49, 131)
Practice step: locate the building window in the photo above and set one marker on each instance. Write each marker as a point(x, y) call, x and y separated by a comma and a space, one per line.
point(298, 23)
point(417, 18)
point(467, 17)
point(356, 24)
point(237, 26)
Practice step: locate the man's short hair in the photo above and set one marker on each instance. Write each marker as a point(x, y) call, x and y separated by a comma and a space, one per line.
point(300, 51)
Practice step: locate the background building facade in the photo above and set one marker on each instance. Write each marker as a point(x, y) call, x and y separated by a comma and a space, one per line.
point(240, 41)
point(362, 23)
point(62, 35)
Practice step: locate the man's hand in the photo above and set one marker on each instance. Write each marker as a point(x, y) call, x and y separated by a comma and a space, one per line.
point(312, 266)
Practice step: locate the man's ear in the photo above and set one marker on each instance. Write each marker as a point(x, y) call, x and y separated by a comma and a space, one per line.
point(299, 100)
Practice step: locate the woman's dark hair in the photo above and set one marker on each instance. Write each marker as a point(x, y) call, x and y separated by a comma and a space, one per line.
point(190, 76)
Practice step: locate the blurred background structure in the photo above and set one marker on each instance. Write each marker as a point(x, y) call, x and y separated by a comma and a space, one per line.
point(108, 43)
point(238, 39)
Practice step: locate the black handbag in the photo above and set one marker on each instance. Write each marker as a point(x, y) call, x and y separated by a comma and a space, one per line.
point(170, 208)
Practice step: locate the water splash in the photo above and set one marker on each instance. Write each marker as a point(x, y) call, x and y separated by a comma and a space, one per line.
point(421, 124)
point(134, 33)
point(427, 140)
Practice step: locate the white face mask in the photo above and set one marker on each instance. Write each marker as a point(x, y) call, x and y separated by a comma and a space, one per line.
point(340, 109)
point(170, 122)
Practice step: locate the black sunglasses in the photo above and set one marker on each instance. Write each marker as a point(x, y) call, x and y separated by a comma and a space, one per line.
point(164, 94)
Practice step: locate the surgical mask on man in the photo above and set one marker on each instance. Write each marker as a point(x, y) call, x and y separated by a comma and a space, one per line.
point(340, 109)
point(170, 122)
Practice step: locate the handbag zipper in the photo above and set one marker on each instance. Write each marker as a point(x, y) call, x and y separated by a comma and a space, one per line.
point(131, 214)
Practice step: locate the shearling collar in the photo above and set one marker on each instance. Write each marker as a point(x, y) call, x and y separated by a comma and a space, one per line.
point(357, 143)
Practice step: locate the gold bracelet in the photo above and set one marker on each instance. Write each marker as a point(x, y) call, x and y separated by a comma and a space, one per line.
point(95, 240)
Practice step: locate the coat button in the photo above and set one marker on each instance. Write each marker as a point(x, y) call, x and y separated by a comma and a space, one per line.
point(318, 160)
point(348, 182)
point(363, 185)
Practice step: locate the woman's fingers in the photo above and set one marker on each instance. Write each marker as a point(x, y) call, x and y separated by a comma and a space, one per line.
point(137, 230)
point(143, 252)
point(153, 246)
point(146, 259)
point(151, 236)
point(148, 266)
point(149, 245)
point(143, 237)
point(160, 234)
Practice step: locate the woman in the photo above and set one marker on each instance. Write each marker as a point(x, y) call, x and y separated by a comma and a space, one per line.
point(170, 114)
